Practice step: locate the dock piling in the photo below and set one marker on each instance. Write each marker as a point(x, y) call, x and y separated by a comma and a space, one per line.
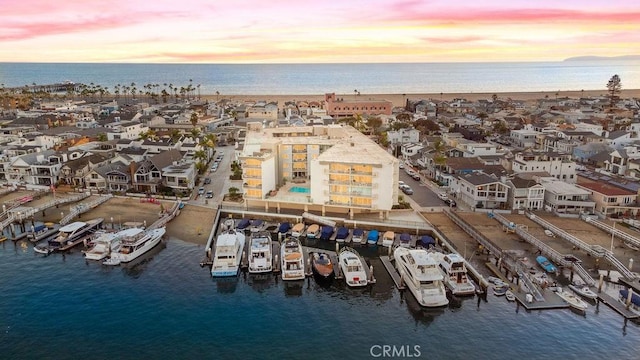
point(629, 295)
point(600, 283)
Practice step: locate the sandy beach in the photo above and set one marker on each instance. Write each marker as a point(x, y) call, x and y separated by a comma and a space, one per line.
point(400, 99)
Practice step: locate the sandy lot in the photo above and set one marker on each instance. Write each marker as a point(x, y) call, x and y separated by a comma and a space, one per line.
point(193, 224)
point(449, 229)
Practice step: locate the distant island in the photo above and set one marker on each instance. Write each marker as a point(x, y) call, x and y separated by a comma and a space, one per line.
point(603, 58)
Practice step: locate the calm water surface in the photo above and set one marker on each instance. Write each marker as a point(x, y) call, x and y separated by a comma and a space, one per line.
point(166, 306)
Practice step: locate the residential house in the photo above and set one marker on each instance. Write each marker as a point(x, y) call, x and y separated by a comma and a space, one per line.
point(557, 165)
point(113, 177)
point(561, 197)
point(525, 194)
point(481, 191)
point(612, 200)
point(148, 174)
point(73, 172)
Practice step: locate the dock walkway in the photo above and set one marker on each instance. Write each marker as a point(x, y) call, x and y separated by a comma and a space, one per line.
point(386, 261)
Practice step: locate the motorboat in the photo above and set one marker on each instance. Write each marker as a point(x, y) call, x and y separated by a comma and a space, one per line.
point(549, 233)
point(426, 242)
point(228, 253)
point(322, 265)
point(243, 224)
point(372, 237)
point(546, 264)
point(510, 296)
point(454, 271)
point(327, 232)
point(634, 305)
point(388, 238)
point(419, 269)
point(313, 231)
point(297, 230)
point(357, 236)
point(135, 242)
point(342, 234)
point(260, 253)
point(500, 289)
point(71, 235)
point(257, 225)
point(40, 232)
point(405, 240)
point(583, 291)
point(352, 267)
point(102, 245)
point(572, 299)
point(284, 227)
point(292, 260)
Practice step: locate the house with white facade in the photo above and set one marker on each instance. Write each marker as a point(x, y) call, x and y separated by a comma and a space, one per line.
point(561, 197)
point(523, 138)
point(525, 194)
point(557, 165)
point(403, 136)
point(481, 191)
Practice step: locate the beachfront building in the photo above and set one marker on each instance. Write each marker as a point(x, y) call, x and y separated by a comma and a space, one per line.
point(525, 194)
point(331, 168)
point(148, 174)
point(611, 199)
point(557, 165)
point(562, 198)
point(480, 191)
point(403, 136)
point(341, 107)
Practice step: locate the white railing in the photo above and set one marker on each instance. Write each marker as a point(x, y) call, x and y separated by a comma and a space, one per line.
point(610, 229)
point(83, 208)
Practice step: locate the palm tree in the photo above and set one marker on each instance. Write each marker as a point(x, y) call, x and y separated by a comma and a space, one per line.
point(200, 155)
point(195, 132)
point(102, 137)
point(194, 119)
point(175, 135)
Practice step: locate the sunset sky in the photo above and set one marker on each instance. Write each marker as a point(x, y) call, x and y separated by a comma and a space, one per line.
point(288, 31)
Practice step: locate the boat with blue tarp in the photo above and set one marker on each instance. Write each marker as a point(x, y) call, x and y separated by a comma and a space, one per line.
point(405, 240)
point(372, 237)
point(284, 227)
point(427, 241)
point(342, 234)
point(546, 264)
point(326, 232)
point(243, 224)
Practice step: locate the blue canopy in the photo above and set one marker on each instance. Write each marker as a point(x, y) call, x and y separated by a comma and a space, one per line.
point(327, 231)
point(427, 241)
point(257, 222)
point(405, 237)
point(343, 232)
point(284, 227)
point(373, 235)
point(243, 224)
point(358, 232)
point(635, 298)
point(39, 228)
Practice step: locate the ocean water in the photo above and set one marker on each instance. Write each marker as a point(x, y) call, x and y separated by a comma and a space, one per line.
point(261, 79)
point(167, 307)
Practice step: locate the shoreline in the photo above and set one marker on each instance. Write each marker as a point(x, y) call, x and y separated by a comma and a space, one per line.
point(400, 99)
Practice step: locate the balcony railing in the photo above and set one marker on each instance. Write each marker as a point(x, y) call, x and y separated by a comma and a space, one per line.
point(251, 176)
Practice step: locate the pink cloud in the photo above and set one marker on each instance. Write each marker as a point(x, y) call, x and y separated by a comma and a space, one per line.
point(452, 39)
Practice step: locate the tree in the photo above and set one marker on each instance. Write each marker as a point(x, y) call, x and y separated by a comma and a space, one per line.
point(374, 123)
point(200, 155)
point(483, 116)
point(195, 132)
point(614, 86)
point(102, 137)
point(194, 119)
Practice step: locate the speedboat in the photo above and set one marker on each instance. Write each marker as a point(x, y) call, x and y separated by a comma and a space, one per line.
point(510, 296)
point(133, 243)
point(40, 232)
point(352, 267)
point(421, 275)
point(342, 234)
point(357, 236)
point(257, 225)
point(292, 260)
point(260, 253)
point(454, 270)
point(297, 230)
point(546, 264)
point(372, 237)
point(388, 238)
point(583, 291)
point(102, 245)
point(500, 289)
point(243, 224)
point(634, 305)
point(284, 227)
point(405, 240)
point(573, 300)
point(321, 265)
point(426, 242)
point(326, 232)
point(228, 253)
point(313, 231)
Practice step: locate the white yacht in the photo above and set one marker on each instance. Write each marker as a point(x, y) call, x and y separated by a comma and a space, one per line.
point(352, 267)
point(292, 260)
point(228, 253)
point(454, 270)
point(421, 275)
point(133, 243)
point(103, 244)
point(260, 253)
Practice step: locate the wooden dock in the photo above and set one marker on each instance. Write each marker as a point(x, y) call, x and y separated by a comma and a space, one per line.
point(386, 261)
point(551, 301)
point(617, 306)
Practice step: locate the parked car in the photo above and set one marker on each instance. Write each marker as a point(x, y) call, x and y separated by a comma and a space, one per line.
point(415, 177)
point(201, 191)
point(401, 166)
point(443, 196)
point(407, 190)
point(401, 184)
point(214, 168)
point(209, 194)
point(207, 181)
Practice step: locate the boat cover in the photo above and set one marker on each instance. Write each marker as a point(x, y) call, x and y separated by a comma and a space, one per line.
point(257, 223)
point(326, 232)
point(39, 228)
point(373, 235)
point(342, 233)
point(358, 232)
point(284, 227)
point(635, 298)
point(405, 237)
point(243, 224)
point(427, 241)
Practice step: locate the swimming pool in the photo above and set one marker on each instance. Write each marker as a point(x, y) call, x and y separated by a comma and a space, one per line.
point(299, 189)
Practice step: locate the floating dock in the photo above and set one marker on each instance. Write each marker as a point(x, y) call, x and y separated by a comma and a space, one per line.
point(617, 306)
point(386, 261)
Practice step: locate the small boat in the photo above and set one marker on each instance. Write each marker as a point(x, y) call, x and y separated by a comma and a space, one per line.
point(3, 238)
point(388, 238)
point(313, 231)
point(573, 300)
point(260, 253)
point(243, 224)
point(326, 232)
point(257, 225)
point(292, 260)
point(297, 230)
point(284, 227)
point(228, 253)
point(102, 245)
point(405, 240)
point(352, 267)
point(357, 236)
point(510, 296)
point(583, 291)
point(549, 233)
point(634, 305)
point(42, 231)
point(500, 290)
point(322, 265)
point(342, 234)
point(43, 249)
point(426, 242)
point(546, 264)
point(372, 237)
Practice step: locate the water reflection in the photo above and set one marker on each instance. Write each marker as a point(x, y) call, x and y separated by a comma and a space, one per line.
point(226, 285)
point(421, 314)
point(137, 266)
point(293, 288)
point(259, 282)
